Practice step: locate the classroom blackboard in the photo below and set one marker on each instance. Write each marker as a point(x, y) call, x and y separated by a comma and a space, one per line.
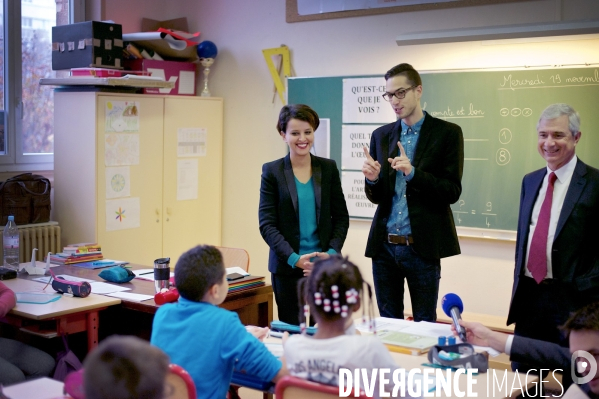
point(498, 112)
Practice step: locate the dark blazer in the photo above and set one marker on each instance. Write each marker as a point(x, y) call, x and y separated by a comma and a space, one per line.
point(574, 255)
point(279, 212)
point(542, 355)
point(438, 164)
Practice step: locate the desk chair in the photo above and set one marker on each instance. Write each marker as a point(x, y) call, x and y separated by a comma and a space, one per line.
point(235, 257)
point(290, 387)
point(179, 384)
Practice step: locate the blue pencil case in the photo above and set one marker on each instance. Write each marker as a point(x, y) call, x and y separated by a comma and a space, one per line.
point(281, 326)
point(117, 274)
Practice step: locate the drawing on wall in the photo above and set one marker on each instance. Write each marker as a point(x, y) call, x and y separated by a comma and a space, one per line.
point(121, 149)
point(187, 179)
point(122, 214)
point(191, 142)
point(117, 182)
point(122, 116)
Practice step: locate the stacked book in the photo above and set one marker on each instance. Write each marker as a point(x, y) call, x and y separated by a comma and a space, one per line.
point(77, 253)
point(246, 283)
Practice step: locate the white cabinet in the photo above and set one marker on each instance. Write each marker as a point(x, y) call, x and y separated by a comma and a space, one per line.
point(169, 150)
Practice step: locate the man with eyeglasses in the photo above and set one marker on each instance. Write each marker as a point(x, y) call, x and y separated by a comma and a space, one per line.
point(413, 172)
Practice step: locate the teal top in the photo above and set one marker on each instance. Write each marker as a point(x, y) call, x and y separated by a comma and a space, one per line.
point(309, 241)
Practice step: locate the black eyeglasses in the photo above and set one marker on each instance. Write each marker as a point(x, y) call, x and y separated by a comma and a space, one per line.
point(399, 94)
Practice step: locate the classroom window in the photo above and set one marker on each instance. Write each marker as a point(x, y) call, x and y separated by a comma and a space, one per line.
point(26, 108)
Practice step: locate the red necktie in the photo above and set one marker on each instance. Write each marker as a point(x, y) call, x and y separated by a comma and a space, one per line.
point(537, 257)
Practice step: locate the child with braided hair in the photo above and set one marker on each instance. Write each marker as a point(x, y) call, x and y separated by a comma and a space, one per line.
point(331, 293)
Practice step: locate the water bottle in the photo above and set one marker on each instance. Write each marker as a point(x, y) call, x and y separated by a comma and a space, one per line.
point(162, 274)
point(10, 238)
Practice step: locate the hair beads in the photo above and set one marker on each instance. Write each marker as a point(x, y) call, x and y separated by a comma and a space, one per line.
point(332, 292)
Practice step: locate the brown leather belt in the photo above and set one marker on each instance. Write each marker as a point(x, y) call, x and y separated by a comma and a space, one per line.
point(400, 240)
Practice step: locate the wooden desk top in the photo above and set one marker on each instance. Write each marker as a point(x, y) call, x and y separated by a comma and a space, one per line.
point(41, 388)
point(65, 305)
point(146, 287)
point(484, 381)
point(495, 323)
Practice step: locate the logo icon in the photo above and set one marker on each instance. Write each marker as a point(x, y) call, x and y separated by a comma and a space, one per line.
point(583, 364)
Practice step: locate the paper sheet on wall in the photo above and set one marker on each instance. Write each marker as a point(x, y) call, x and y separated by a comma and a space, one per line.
point(191, 142)
point(121, 149)
point(358, 205)
point(321, 146)
point(117, 182)
point(122, 116)
point(122, 214)
point(353, 138)
point(363, 101)
point(187, 179)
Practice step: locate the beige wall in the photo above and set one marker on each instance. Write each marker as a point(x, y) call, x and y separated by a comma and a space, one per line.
point(482, 275)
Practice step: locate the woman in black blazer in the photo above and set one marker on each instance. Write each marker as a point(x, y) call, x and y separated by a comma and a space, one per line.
point(302, 211)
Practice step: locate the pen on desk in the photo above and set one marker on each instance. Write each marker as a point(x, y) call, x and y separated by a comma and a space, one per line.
point(141, 274)
point(103, 263)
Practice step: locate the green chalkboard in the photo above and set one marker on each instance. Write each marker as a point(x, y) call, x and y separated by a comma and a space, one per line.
point(498, 112)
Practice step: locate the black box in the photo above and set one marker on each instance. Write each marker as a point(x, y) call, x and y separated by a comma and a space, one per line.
point(87, 44)
point(7, 274)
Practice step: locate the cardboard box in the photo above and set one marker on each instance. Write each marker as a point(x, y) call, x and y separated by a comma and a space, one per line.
point(87, 44)
point(181, 73)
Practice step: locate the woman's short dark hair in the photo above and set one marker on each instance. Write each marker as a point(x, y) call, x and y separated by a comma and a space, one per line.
point(297, 111)
point(197, 270)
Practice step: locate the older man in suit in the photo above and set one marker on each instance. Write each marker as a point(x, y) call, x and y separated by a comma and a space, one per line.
point(413, 172)
point(557, 262)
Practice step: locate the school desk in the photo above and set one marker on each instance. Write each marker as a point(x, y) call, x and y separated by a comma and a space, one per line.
point(254, 306)
point(495, 323)
point(410, 362)
point(41, 388)
point(68, 315)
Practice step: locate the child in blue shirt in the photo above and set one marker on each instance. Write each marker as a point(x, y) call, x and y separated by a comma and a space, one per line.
point(207, 341)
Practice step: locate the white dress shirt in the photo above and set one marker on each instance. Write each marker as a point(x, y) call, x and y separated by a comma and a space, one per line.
point(560, 188)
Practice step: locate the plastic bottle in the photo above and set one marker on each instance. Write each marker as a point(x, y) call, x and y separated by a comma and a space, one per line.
point(10, 238)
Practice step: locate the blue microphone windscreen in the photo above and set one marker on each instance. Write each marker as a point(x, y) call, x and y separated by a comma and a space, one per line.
point(449, 301)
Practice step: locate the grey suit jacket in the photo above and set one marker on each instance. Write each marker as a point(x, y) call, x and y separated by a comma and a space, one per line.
point(574, 255)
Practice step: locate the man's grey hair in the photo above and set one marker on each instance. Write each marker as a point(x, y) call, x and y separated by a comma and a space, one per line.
point(556, 110)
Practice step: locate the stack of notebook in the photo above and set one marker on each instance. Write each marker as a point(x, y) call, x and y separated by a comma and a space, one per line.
point(77, 253)
point(246, 283)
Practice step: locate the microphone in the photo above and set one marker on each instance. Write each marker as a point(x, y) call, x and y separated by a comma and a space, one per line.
point(453, 307)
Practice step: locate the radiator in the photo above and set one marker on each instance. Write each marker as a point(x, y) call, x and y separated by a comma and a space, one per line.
point(45, 237)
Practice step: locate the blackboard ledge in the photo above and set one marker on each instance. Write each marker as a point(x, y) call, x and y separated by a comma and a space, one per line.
point(490, 234)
